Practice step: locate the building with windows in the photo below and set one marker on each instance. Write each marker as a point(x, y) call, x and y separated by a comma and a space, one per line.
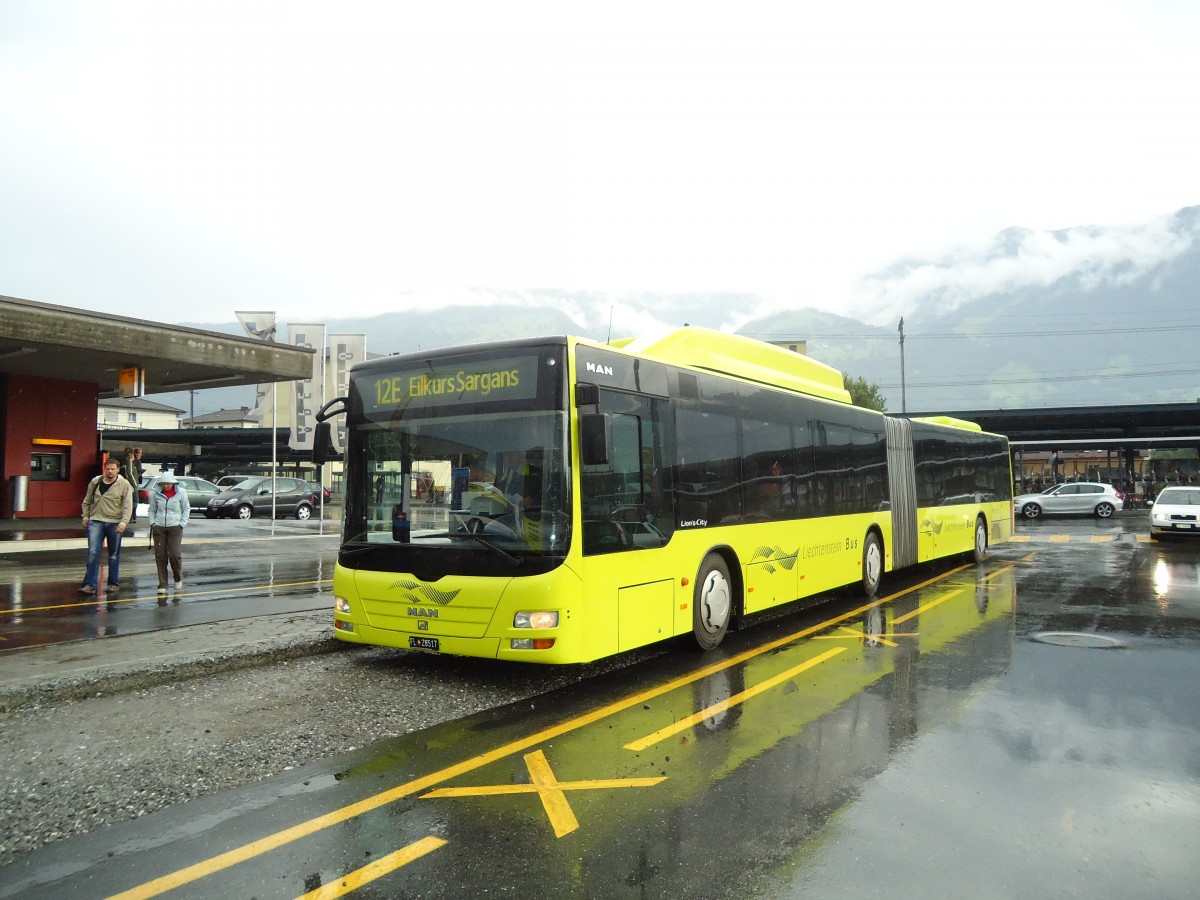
point(242, 417)
point(136, 413)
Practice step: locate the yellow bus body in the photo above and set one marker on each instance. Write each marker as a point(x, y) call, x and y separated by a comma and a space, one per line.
point(616, 602)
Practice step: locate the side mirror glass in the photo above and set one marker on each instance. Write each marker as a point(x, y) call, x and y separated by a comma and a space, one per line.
point(323, 450)
point(594, 431)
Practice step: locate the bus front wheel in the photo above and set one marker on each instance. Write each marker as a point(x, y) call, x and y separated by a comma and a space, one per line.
point(872, 564)
point(712, 602)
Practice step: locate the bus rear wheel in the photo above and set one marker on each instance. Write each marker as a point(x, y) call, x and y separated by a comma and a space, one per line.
point(712, 602)
point(979, 553)
point(872, 564)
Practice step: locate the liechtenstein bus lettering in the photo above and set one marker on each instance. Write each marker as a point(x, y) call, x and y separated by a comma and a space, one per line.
point(560, 500)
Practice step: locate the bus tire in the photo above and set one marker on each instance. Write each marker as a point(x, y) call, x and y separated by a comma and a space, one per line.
point(872, 564)
point(979, 552)
point(712, 602)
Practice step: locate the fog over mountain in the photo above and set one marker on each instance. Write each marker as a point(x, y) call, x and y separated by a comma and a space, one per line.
point(1085, 316)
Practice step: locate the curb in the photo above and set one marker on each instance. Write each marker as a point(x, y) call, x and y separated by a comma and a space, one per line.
point(64, 672)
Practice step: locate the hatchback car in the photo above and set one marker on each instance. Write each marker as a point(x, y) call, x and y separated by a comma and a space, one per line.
point(199, 492)
point(1078, 498)
point(1176, 511)
point(257, 496)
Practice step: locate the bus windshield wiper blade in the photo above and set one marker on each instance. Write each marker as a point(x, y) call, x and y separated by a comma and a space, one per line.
point(357, 548)
point(481, 539)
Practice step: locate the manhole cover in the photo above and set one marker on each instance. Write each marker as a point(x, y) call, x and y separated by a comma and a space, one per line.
point(1076, 639)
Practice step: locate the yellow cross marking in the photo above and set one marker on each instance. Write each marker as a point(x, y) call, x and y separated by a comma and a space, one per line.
point(859, 635)
point(549, 790)
point(368, 873)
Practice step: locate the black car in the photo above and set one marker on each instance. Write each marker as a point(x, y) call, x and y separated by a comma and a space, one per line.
point(255, 497)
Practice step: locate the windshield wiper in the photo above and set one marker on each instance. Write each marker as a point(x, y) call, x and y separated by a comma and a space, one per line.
point(357, 548)
point(479, 538)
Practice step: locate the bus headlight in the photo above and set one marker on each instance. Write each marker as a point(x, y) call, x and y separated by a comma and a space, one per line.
point(538, 619)
point(341, 604)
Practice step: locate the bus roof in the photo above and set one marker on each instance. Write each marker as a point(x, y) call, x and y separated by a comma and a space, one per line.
point(948, 421)
point(743, 357)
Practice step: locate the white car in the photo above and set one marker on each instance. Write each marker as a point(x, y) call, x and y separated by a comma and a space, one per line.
point(1176, 511)
point(1078, 498)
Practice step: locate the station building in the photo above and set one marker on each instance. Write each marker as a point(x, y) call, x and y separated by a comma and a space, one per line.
point(58, 363)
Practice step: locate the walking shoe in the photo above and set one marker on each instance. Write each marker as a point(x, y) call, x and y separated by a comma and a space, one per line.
point(179, 585)
point(87, 589)
point(113, 588)
point(162, 591)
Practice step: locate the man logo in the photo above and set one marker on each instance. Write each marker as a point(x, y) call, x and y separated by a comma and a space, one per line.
point(599, 369)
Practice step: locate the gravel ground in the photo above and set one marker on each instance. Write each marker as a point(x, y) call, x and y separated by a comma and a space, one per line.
point(75, 764)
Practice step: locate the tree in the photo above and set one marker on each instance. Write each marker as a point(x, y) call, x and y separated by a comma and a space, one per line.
point(865, 394)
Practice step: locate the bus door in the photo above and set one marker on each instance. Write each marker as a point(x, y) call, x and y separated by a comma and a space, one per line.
point(626, 507)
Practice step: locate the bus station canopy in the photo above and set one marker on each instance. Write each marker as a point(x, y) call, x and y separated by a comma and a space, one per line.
point(43, 340)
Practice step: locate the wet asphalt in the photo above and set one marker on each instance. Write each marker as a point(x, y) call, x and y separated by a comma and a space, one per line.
point(1024, 728)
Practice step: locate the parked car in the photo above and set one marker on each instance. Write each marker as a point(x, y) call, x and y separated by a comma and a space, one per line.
point(1176, 511)
point(199, 492)
point(1077, 498)
point(316, 488)
point(253, 497)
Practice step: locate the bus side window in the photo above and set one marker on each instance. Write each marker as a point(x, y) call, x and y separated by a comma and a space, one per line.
point(621, 498)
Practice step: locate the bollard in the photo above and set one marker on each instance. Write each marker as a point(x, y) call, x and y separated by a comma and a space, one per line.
point(20, 494)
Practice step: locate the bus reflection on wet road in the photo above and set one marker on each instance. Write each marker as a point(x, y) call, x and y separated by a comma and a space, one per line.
point(966, 735)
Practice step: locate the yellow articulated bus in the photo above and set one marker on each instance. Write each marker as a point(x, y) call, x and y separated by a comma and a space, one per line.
point(559, 500)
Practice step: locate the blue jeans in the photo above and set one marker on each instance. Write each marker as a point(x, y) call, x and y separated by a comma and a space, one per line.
point(98, 533)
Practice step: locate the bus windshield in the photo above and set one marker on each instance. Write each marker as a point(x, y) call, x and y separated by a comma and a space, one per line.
point(489, 481)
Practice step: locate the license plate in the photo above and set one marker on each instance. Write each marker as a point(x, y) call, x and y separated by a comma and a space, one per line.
point(423, 643)
point(1185, 525)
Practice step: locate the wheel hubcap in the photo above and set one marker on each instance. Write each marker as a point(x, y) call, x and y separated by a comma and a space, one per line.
point(714, 602)
point(874, 563)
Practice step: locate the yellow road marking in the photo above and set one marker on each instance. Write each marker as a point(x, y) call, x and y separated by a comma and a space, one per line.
point(690, 721)
point(1019, 539)
point(286, 836)
point(856, 634)
point(548, 788)
point(371, 871)
point(1103, 538)
point(925, 606)
point(1060, 539)
point(99, 600)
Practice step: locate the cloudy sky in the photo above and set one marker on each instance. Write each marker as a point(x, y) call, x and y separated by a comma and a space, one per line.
point(183, 160)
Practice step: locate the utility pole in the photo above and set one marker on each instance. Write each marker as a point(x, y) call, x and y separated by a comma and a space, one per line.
point(903, 398)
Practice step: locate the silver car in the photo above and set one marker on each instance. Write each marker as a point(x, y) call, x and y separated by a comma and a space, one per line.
point(199, 492)
point(1078, 498)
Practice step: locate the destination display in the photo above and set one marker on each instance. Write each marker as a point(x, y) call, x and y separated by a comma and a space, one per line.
point(509, 378)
